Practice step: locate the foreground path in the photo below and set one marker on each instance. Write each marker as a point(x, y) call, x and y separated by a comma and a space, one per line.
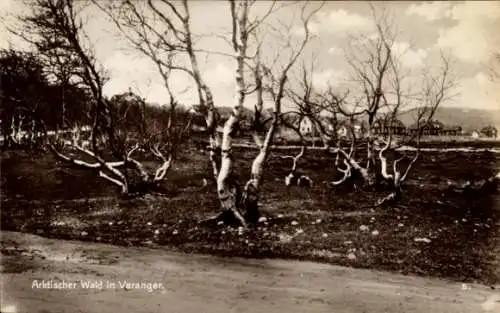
point(196, 283)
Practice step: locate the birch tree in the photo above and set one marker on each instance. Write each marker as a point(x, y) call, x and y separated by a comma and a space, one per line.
point(379, 91)
point(56, 30)
point(369, 59)
point(158, 27)
point(162, 31)
point(437, 88)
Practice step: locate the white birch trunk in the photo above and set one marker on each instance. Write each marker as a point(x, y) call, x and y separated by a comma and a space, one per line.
point(227, 186)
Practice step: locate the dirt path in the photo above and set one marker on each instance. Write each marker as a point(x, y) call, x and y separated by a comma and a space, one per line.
point(196, 283)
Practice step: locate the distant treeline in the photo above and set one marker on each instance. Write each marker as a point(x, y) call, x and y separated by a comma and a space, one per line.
point(32, 101)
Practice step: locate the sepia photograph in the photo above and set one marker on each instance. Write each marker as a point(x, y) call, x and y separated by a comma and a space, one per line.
point(249, 156)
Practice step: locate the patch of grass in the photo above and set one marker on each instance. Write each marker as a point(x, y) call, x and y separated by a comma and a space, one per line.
point(427, 233)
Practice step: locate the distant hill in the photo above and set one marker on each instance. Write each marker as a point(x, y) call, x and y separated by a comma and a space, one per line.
point(468, 119)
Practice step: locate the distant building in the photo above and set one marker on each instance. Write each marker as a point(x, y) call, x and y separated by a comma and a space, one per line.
point(432, 128)
point(452, 131)
point(489, 132)
point(306, 126)
point(347, 128)
point(383, 126)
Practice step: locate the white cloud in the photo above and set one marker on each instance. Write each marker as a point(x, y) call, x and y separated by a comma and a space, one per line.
point(432, 11)
point(474, 36)
point(121, 63)
point(340, 23)
point(127, 71)
point(181, 84)
point(221, 75)
point(140, 74)
point(300, 32)
point(409, 57)
point(6, 4)
point(326, 78)
point(479, 92)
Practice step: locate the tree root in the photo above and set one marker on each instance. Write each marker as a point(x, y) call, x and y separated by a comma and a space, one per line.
point(391, 198)
point(248, 213)
point(226, 217)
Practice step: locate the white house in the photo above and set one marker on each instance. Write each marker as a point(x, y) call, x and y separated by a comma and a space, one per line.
point(306, 126)
point(344, 130)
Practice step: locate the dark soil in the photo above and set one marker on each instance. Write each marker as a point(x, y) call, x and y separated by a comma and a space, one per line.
point(430, 232)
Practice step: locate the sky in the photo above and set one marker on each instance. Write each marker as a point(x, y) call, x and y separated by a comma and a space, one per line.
point(467, 30)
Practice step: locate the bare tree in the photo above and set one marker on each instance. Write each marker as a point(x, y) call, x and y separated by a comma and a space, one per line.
point(56, 28)
point(162, 31)
point(307, 107)
point(369, 60)
point(295, 177)
point(166, 27)
point(380, 91)
point(437, 89)
point(270, 78)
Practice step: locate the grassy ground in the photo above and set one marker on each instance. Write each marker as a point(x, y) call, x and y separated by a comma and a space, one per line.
point(429, 232)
